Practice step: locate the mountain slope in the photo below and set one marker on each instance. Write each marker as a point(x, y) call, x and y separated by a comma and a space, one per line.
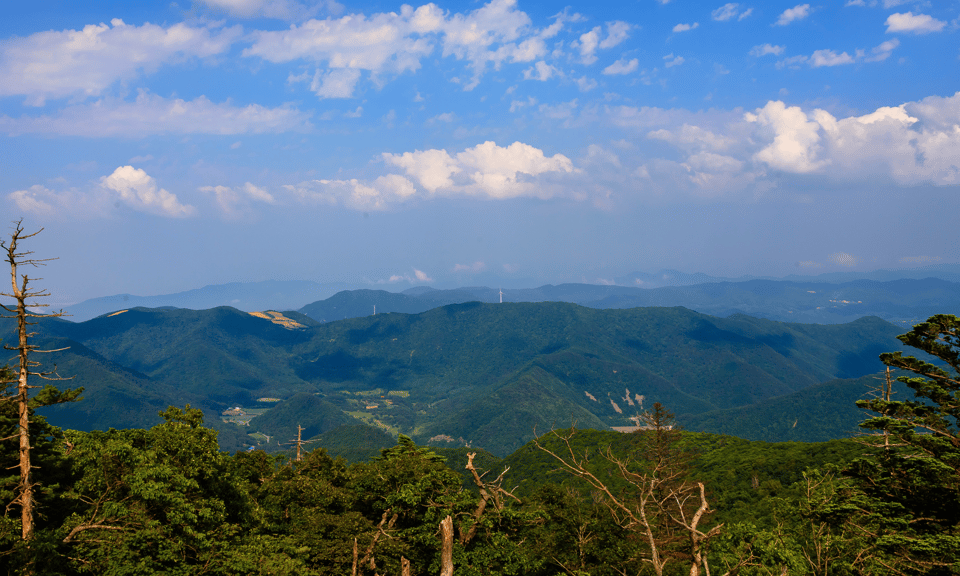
point(486, 373)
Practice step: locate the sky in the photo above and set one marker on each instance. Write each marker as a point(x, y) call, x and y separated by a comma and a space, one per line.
point(165, 146)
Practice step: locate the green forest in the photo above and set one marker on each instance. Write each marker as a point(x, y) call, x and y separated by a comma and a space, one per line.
point(168, 500)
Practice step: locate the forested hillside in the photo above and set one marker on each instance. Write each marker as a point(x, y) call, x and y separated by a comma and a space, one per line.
point(486, 375)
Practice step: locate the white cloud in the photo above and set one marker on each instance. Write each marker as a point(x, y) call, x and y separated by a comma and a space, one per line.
point(729, 11)
point(916, 24)
point(793, 61)
point(588, 45)
point(383, 42)
point(911, 144)
point(843, 259)
point(590, 42)
point(685, 27)
point(559, 111)
point(353, 193)
point(474, 268)
point(798, 12)
point(825, 57)
point(795, 145)
point(152, 114)
point(236, 202)
point(621, 66)
point(829, 58)
point(484, 170)
point(599, 155)
point(422, 276)
point(585, 84)
point(392, 43)
point(691, 137)
point(540, 71)
point(280, 9)
point(921, 143)
point(617, 32)
point(44, 202)
point(86, 62)
point(140, 192)
point(518, 104)
point(257, 193)
point(337, 83)
point(418, 276)
point(671, 60)
point(445, 117)
point(764, 49)
point(883, 51)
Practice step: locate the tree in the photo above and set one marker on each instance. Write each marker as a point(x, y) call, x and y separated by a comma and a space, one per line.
point(22, 293)
point(913, 479)
point(661, 508)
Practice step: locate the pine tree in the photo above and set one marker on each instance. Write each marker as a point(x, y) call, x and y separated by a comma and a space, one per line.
point(914, 478)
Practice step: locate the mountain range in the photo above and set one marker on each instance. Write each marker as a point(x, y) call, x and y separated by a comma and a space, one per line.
point(482, 374)
point(716, 296)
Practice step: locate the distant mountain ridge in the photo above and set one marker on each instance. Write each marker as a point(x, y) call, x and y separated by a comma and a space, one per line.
point(293, 295)
point(904, 302)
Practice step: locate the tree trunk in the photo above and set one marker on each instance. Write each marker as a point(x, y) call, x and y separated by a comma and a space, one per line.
point(446, 554)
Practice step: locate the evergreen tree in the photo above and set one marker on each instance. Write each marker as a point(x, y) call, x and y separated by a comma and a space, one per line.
point(913, 481)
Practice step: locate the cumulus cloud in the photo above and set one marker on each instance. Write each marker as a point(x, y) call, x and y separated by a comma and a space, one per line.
point(153, 114)
point(795, 138)
point(622, 66)
point(729, 11)
point(485, 170)
point(798, 12)
point(86, 62)
point(914, 23)
point(685, 27)
point(764, 49)
point(920, 141)
point(127, 186)
point(719, 152)
point(140, 192)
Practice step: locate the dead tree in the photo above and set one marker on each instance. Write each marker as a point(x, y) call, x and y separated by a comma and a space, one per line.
point(300, 443)
point(490, 492)
point(22, 292)
point(658, 509)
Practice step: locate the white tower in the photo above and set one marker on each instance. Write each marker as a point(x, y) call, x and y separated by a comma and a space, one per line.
point(501, 295)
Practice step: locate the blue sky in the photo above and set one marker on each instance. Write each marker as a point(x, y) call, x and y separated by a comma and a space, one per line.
point(166, 146)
